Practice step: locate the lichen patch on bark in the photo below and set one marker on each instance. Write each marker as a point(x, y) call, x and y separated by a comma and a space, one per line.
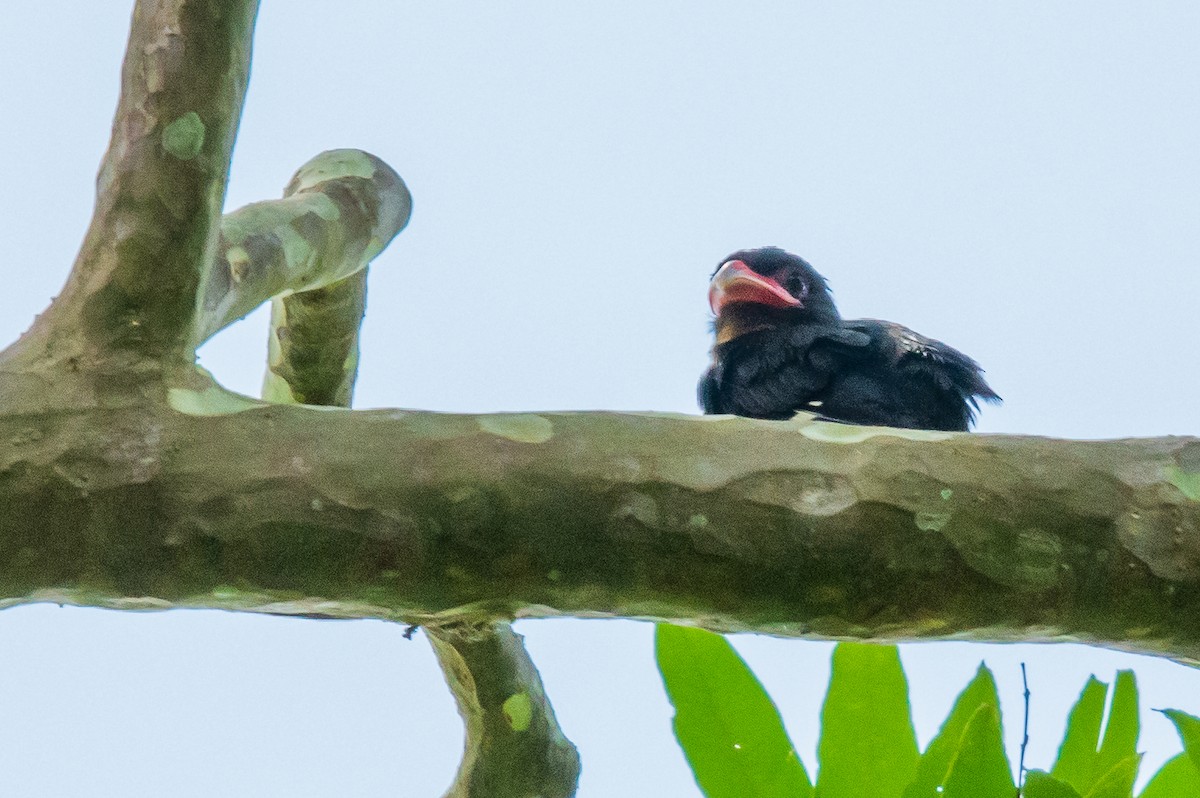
point(519, 427)
point(184, 136)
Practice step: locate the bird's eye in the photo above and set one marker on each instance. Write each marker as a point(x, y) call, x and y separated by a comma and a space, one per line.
point(796, 286)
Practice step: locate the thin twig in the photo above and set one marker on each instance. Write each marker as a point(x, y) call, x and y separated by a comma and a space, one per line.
point(1025, 735)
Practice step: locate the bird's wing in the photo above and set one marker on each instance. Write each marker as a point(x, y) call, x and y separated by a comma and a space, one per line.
point(828, 346)
point(949, 368)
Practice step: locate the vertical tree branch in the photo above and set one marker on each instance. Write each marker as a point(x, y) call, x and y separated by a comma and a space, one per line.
point(133, 290)
point(312, 354)
point(514, 746)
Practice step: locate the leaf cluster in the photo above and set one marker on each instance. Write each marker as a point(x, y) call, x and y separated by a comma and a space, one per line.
point(735, 742)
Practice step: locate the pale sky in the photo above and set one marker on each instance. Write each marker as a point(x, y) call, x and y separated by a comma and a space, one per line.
point(1021, 180)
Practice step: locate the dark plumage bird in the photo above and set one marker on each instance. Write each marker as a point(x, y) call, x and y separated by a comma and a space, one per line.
point(782, 347)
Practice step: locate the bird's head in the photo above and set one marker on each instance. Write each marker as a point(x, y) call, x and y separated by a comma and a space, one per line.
point(759, 289)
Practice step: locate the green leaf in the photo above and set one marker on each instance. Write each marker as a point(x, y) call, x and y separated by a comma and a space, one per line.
point(1040, 784)
point(1107, 769)
point(939, 756)
point(1077, 754)
point(981, 769)
point(1188, 727)
point(726, 724)
point(1122, 727)
point(1178, 778)
point(867, 746)
point(1117, 782)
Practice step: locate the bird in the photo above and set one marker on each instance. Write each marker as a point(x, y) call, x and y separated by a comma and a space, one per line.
point(781, 348)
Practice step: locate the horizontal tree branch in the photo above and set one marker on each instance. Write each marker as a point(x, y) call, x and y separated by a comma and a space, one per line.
point(800, 528)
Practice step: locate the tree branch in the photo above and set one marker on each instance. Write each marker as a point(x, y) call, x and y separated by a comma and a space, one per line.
point(312, 347)
point(792, 528)
point(339, 211)
point(160, 189)
point(514, 745)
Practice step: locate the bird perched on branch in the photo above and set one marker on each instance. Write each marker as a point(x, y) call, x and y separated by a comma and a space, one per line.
point(782, 347)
